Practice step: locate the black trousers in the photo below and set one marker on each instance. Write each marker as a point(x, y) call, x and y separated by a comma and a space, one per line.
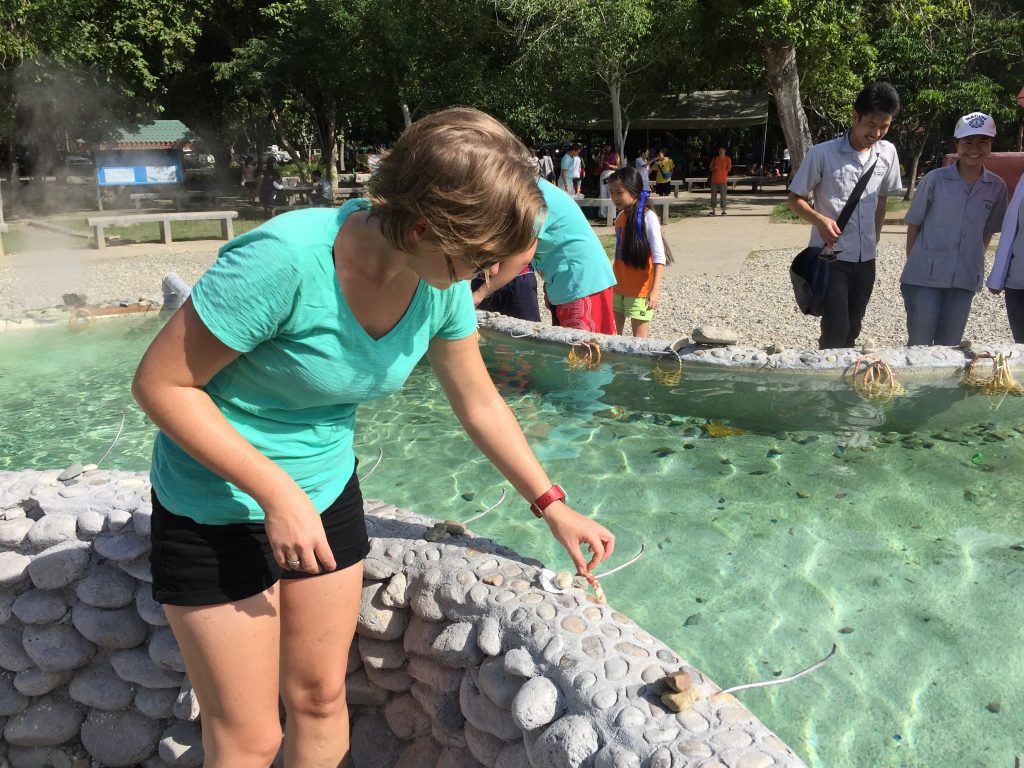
point(846, 299)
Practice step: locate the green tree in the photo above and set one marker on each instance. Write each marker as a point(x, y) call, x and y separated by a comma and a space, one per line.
point(827, 35)
point(619, 46)
point(947, 58)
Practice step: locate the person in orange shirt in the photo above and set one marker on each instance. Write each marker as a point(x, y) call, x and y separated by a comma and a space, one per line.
point(640, 253)
point(720, 166)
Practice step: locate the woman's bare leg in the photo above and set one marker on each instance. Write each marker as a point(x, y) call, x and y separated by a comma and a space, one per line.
point(318, 622)
point(620, 323)
point(232, 654)
point(640, 327)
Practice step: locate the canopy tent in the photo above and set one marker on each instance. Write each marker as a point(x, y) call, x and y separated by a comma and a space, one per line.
point(700, 110)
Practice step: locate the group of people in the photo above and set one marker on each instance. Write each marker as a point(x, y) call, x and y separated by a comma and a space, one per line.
point(265, 184)
point(950, 223)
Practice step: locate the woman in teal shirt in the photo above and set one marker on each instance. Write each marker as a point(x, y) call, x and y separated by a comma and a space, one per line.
point(254, 385)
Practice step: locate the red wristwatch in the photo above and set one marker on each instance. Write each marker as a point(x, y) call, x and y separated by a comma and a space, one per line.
point(546, 499)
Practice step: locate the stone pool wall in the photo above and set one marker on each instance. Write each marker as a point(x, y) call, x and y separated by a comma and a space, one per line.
point(461, 660)
point(720, 352)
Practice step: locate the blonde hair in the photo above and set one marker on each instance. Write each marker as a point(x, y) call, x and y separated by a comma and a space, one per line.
point(469, 178)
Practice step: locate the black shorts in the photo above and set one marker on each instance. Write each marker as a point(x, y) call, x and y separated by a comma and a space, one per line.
point(197, 564)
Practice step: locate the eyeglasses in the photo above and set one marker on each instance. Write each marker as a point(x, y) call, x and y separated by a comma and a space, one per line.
point(828, 254)
point(484, 266)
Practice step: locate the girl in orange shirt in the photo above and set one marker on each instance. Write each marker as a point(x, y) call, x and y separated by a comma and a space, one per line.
point(640, 253)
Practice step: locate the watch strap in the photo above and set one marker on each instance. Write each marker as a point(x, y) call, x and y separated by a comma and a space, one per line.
point(546, 499)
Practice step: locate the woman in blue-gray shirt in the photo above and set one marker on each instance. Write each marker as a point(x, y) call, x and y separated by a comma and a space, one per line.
point(258, 534)
point(955, 212)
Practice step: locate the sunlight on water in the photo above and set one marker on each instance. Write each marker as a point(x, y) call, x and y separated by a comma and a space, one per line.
point(894, 531)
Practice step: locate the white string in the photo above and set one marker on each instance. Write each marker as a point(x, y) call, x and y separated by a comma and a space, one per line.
point(116, 437)
point(380, 455)
point(626, 564)
point(501, 498)
point(781, 680)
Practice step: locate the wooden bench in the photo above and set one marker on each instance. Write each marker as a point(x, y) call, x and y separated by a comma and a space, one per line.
point(656, 201)
point(702, 181)
point(599, 202)
point(99, 223)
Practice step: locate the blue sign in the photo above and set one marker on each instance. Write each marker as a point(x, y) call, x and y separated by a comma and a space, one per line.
point(134, 167)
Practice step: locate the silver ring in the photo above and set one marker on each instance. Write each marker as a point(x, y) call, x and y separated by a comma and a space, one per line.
point(293, 563)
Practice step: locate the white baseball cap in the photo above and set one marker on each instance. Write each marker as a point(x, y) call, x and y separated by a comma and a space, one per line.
point(975, 124)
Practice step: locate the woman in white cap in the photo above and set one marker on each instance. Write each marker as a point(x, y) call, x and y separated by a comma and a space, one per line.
point(1008, 270)
point(955, 212)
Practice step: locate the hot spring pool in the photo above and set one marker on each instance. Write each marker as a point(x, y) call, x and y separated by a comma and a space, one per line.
point(892, 530)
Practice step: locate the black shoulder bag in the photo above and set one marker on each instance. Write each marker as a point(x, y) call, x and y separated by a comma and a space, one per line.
point(809, 270)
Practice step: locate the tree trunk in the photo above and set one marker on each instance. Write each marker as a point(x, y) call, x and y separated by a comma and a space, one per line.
point(296, 156)
point(915, 163)
point(619, 133)
point(406, 116)
point(784, 80)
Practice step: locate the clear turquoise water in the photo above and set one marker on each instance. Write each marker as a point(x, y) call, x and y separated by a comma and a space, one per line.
point(879, 528)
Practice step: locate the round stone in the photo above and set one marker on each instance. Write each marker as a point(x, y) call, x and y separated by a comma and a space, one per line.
point(53, 529)
point(12, 701)
point(694, 748)
point(593, 647)
point(755, 759)
point(615, 668)
point(12, 653)
point(57, 647)
point(660, 735)
point(106, 587)
point(136, 666)
point(536, 704)
point(573, 624)
point(584, 680)
point(35, 682)
point(39, 607)
point(568, 743)
point(592, 613)
point(632, 650)
point(692, 722)
point(13, 567)
point(60, 565)
point(14, 531)
point(163, 649)
point(546, 611)
point(156, 703)
point(120, 547)
point(605, 698)
point(99, 687)
point(732, 739)
point(630, 718)
point(46, 723)
point(181, 745)
point(119, 738)
point(149, 609)
point(113, 630)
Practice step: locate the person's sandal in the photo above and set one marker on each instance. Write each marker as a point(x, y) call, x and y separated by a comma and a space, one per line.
point(711, 213)
point(723, 213)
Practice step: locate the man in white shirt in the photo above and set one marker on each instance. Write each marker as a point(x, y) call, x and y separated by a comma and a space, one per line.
point(830, 171)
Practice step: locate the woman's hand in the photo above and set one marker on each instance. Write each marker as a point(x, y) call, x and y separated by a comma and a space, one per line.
point(573, 530)
point(297, 535)
point(653, 298)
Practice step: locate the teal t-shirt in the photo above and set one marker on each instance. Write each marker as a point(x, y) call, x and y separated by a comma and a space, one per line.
point(305, 362)
point(569, 258)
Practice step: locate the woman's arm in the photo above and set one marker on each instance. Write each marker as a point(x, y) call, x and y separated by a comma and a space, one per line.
point(492, 426)
point(168, 386)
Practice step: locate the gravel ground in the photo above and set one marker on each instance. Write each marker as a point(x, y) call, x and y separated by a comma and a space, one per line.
point(757, 303)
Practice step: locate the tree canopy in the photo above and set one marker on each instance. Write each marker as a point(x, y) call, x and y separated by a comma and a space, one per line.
point(303, 73)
